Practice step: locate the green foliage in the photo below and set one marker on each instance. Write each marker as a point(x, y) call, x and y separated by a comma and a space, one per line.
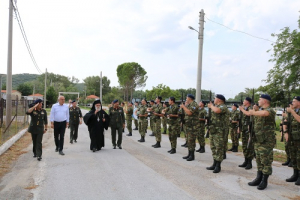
point(92, 84)
point(25, 89)
point(18, 79)
point(51, 95)
point(115, 93)
point(161, 90)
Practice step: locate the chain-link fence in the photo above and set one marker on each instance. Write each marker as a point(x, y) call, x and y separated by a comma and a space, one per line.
point(19, 119)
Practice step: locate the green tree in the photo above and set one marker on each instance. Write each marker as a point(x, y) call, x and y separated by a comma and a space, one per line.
point(115, 93)
point(25, 89)
point(51, 95)
point(131, 76)
point(92, 84)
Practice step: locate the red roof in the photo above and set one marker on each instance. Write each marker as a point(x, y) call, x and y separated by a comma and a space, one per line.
point(36, 95)
point(4, 91)
point(92, 97)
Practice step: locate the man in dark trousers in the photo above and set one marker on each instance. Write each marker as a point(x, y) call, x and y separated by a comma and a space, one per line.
point(117, 123)
point(37, 127)
point(75, 120)
point(59, 117)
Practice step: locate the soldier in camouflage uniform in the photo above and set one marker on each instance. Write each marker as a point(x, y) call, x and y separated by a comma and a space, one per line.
point(234, 119)
point(201, 131)
point(191, 110)
point(152, 118)
point(217, 130)
point(129, 113)
point(157, 113)
point(172, 114)
point(294, 139)
point(142, 115)
point(75, 119)
point(164, 120)
point(264, 141)
point(248, 152)
point(226, 133)
point(286, 144)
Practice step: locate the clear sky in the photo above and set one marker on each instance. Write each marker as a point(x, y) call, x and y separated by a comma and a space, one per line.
point(81, 38)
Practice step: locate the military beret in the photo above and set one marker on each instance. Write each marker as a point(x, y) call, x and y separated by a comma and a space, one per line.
point(248, 99)
point(172, 99)
point(115, 101)
point(152, 101)
point(203, 102)
point(73, 101)
point(297, 98)
point(235, 105)
point(159, 97)
point(191, 96)
point(38, 101)
point(221, 97)
point(265, 96)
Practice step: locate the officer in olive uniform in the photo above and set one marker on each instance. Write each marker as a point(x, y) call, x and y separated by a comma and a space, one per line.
point(129, 113)
point(201, 132)
point(157, 113)
point(234, 119)
point(294, 138)
point(264, 141)
point(191, 118)
point(164, 119)
point(217, 130)
point(37, 127)
point(75, 120)
point(117, 123)
point(142, 115)
point(152, 118)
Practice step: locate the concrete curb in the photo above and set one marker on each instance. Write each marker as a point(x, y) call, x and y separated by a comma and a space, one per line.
point(11, 141)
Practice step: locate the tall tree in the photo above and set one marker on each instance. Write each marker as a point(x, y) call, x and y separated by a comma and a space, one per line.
point(51, 95)
point(92, 84)
point(25, 89)
point(131, 76)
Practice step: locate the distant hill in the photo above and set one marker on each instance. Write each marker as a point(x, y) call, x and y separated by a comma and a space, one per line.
point(18, 79)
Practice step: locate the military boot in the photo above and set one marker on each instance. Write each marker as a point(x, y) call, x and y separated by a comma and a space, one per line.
point(249, 164)
point(231, 148)
point(290, 164)
point(186, 157)
point(154, 144)
point(218, 167)
point(191, 157)
point(157, 145)
point(165, 132)
point(244, 163)
point(142, 139)
point(264, 182)
point(224, 155)
point(287, 162)
point(298, 180)
point(257, 180)
point(202, 149)
point(173, 151)
point(170, 150)
point(184, 145)
point(213, 166)
point(198, 149)
point(178, 135)
point(129, 134)
point(235, 149)
point(294, 177)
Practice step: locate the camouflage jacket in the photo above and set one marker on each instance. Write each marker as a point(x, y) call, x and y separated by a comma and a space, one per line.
point(202, 115)
point(264, 127)
point(157, 109)
point(219, 120)
point(142, 111)
point(245, 120)
point(192, 120)
point(295, 126)
point(129, 112)
point(172, 109)
point(234, 116)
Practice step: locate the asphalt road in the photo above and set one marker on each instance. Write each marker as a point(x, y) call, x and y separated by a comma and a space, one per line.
point(138, 171)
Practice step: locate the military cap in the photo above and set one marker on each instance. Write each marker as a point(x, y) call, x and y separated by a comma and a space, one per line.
point(152, 101)
point(159, 97)
point(265, 96)
point(235, 105)
point(203, 102)
point(191, 96)
point(73, 101)
point(221, 97)
point(248, 99)
point(297, 98)
point(115, 101)
point(38, 101)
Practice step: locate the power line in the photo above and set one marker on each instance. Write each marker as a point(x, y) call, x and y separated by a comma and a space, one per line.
point(239, 31)
point(18, 17)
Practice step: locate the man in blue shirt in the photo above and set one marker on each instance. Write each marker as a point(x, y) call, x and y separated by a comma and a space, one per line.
point(59, 117)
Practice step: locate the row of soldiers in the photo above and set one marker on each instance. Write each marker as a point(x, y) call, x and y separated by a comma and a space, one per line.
point(258, 119)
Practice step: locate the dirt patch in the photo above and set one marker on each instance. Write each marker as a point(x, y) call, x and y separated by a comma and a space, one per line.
point(9, 158)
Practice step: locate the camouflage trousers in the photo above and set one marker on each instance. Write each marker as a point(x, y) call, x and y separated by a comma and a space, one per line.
point(226, 133)
point(264, 156)
point(191, 134)
point(234, 136)
point(164, 123)
point(201, 134)
point(217, 144)
point(287, 148)
point(158, 129)
point(295, 153)
point(248, 152)
point(129, 124)
point(136, 123)
point(142, 128)
point(152, 125)
point(173, 131)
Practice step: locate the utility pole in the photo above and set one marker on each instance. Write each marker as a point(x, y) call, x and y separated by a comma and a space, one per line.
point(200, 52)
point(45, 93)
point(101, 86)
point(9, 65)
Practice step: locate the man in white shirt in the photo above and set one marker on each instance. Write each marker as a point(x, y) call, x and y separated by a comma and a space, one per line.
point(59, 117)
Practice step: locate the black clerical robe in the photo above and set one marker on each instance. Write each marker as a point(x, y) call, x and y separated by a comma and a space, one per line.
point(96, 127)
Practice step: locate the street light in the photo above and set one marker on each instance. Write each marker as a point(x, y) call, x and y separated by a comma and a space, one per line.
point(199, 71)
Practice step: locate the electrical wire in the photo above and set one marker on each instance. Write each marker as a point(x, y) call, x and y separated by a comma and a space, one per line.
point(18, 17)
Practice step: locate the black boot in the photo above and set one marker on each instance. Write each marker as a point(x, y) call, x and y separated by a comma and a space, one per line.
point(244, 163)
point(135, 129)
point(198, 149)
point(231, 148)
point(184, 145)
point(178, 135)
point(213, 166)
point(142, 139)
point(287, 162)
point(165, 132)
point(264, 182)
point(298, 180)
point(157, 145)
point(290, 164)
point(191, 157)
point(294, 177)
point(202, 149)
point(186, 157)
point(173, 151)
point(224, 155)
point(235, 149)
point(257, 180)
point(249, 164)
point(129, 134)
point(218, 167)
point(154, 144)
point(170, 150)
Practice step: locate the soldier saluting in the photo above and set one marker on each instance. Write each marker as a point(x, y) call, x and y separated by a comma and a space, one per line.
point(75, 120)
point(37, 127)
